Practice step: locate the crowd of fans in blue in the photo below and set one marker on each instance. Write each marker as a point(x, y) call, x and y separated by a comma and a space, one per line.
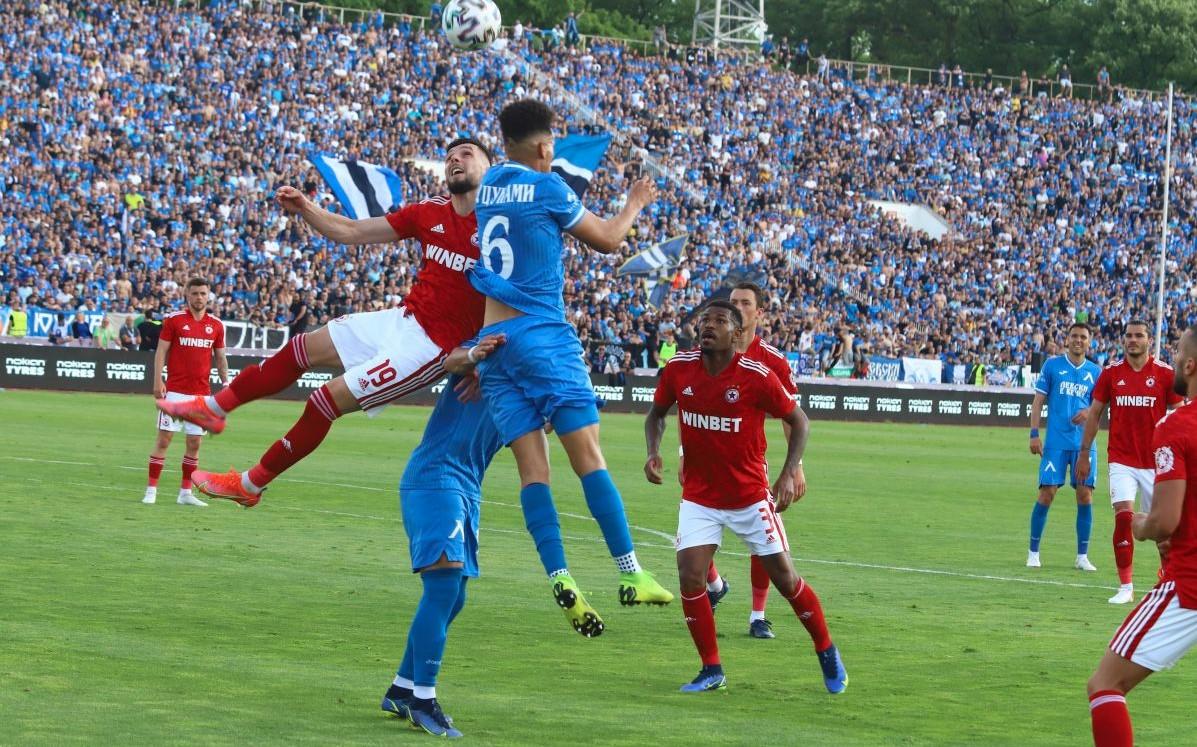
point(142, 143)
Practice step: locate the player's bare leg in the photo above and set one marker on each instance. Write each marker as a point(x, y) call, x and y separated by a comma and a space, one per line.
point(1124, 552)
point(606, 506)
point(190, 463)
point(325, 405)
point(1107, 689)
point(692, 566)
point(157, 460)
point(1084, 527)
point(809, 610)
point(1047, 493)
point(531, 453)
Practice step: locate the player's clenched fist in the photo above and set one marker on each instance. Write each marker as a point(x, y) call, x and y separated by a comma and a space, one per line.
point(292, 200)
point(652, 469)
point(644, 192)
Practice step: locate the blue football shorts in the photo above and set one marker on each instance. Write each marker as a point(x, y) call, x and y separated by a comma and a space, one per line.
point(1056, 461)
point(441, 522)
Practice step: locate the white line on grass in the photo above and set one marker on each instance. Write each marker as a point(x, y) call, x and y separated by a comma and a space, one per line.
point(648, 530)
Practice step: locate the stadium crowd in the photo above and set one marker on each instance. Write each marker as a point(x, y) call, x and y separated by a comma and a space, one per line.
point(142, 143)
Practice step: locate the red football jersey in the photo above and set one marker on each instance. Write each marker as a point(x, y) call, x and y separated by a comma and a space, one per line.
point(721, 421)
point(1175, 457)
point(442, 300)
point(1138, 399)
point(189, 360)
point(774, 360)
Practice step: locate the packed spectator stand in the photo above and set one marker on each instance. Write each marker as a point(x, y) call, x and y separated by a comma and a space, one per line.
point(142, 144)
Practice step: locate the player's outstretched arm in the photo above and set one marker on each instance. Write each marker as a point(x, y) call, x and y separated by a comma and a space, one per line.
point(463, 359)
point(654, 431)
point(606, 235)
point(785, 490)
point(338, 228)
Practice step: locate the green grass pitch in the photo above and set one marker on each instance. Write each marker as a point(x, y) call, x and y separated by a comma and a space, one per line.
point(131, 624)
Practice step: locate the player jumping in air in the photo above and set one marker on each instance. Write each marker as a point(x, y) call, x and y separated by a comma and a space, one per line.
point(723, 398)
point(1138, 391)
point(189, 341)
point(1066, 383)
point(749, 299)
point(1163, 627)
point(538, 376)
point(387, 354)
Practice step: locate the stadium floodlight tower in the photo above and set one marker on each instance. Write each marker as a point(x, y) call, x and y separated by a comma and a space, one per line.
point(729, 23)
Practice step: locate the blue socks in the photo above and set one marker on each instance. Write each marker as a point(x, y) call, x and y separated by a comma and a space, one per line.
point(1038, 522)
point(540, 516)
point(1084, 527)
point(444, 596)
point(602, 498)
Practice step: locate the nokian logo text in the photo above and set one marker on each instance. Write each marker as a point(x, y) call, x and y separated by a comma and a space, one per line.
point(75, 369)
point(313, 380)
point(643, 393)
point(124, 371)
point(25, 366)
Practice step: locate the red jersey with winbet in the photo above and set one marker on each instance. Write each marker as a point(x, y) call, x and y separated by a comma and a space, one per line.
point(775, 360)
point(1138, 399)
point(189, 360)
point(442, 300)
point(721, 421)
point(1175, 457)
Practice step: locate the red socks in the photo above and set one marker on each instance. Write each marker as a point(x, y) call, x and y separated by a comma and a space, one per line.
point(810, 612)
point(712, 573)
point(760, 585)
point(271, 376)
point(701, 621)
point(189, 465)
point(1111, 720)
point(155, 470)
point(1124, 545)
point(301, 440)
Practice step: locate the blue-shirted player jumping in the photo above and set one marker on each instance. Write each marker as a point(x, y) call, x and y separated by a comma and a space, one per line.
point(539, 376)
point(440, 494)
point(1066, 383)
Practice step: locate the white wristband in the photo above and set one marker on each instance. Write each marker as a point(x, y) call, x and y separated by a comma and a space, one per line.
point(470, 355)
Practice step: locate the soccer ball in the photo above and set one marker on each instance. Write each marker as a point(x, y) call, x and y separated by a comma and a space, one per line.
point(471, 24)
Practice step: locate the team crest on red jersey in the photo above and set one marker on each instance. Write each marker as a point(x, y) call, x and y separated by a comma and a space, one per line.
point(1164, 460)
point(732, 395)
point(1150, 381)
point(208, 329)
point(474, 238)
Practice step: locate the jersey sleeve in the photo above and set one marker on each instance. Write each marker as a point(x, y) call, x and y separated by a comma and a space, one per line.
point(404, 221)
point(561, 202)
point(1101, 390)
point(665, 396)
point(775, 399)
point(168, 330)
point(1043, 384)
point(1170, 445)
point(219, 343)
point(785, 376)
point(1169, 379)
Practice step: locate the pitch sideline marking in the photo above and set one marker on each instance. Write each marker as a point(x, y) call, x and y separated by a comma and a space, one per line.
point(844, 563)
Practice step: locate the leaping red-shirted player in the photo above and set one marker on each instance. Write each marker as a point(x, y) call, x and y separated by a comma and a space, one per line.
point(722, 400)
point(1138, 391)
point(1163, 627)
point(749, 298)
point(387, 354)
point(189, 341)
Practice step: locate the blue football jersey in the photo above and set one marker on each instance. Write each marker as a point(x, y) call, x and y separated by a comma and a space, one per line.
point(521, 217)
point(1069, 389)
point(458, 444)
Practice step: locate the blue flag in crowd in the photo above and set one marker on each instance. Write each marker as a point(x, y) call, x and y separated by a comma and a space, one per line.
point(363, 189)
point(658, 287)
point(577, 157)
point(655, 258)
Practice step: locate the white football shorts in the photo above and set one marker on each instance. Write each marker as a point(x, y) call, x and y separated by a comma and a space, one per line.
point(758, 526)
point(387, 356)
point(1158, 632)
point(167, 423)
point(1126, 481)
